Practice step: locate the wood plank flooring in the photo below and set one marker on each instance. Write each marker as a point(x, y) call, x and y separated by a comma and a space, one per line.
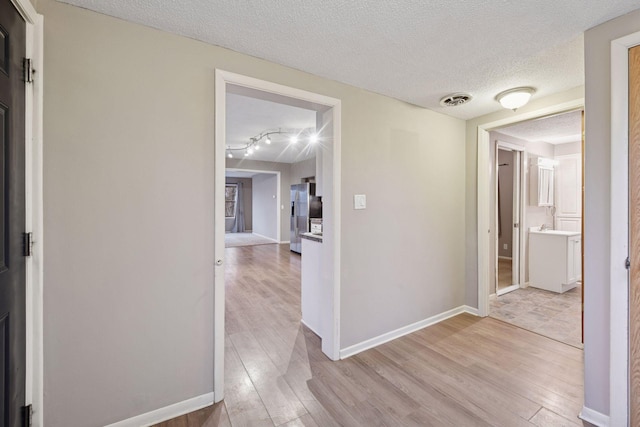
point(465, 371)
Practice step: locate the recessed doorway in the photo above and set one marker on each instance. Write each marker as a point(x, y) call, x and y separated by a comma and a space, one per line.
point(321, 140)
point(538, 195)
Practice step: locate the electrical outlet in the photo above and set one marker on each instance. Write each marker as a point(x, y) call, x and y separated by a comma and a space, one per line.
point(505, 246)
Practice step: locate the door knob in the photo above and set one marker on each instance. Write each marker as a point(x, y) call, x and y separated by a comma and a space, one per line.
point(219, 262)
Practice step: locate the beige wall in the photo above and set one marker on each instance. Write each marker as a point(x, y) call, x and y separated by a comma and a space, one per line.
point(303, 169)
point(597, 205)
point(129, 181)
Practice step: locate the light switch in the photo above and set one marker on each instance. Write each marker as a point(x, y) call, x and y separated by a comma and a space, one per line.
point(359, 201)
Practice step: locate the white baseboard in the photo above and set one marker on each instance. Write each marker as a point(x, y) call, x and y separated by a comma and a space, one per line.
point(471, 310)
point(265, 237)
point(493, 296)
point(166, 413)
point(594, 417)
point(389, 336)
point(506, 290)
point(285, 241)
point(505, 257)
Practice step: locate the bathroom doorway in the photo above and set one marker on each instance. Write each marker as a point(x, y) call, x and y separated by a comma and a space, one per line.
point(508, 216)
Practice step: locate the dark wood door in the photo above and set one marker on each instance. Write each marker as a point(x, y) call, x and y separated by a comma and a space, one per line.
point(12, 215)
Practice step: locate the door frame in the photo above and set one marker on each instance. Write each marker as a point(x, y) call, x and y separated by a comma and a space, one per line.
point(278, 195)
point(519, 181)
point(619, 251)
point(330, 343)
point(484, 164)
point(34, 210)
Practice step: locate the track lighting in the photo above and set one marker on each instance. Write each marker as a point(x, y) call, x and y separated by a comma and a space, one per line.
point(254, 142)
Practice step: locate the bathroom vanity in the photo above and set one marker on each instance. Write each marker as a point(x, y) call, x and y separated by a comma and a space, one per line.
point(555, 259)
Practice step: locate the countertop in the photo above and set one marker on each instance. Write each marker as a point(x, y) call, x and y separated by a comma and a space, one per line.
point(311, 236)
point(556, 232)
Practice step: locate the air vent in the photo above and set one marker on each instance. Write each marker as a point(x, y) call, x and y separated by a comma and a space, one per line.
point(455, 99)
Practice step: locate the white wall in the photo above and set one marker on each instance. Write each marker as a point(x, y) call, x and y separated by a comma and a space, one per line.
point(129, 184)
point(265, 205)
point(597, 220)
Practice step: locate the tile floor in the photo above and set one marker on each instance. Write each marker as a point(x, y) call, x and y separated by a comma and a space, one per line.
point(553, 315)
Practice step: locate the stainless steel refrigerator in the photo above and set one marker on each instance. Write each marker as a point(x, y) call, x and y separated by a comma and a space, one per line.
point(301, 195)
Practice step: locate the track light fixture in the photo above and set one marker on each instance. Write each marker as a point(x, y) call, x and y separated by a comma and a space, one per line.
point(254, 142)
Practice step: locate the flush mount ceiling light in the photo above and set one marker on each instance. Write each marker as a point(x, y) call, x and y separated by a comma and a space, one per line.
point(513, 99)
point(455, 99)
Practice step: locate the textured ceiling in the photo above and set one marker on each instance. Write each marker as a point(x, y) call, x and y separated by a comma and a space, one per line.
point(413, 50)
point(558, 129)
point(247, 117)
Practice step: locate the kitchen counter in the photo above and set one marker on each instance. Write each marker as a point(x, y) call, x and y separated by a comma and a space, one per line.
point(311, 236)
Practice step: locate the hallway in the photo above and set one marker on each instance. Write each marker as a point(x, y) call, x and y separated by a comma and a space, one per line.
point(462, 371)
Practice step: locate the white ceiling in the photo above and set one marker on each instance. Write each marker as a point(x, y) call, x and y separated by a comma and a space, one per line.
point(247, 117)
point(414, 50)
point(558, 129)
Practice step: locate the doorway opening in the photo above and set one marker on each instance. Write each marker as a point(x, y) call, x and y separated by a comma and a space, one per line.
point(508, 197)
point(538, 212)
point(252, 207)
point(296, 147)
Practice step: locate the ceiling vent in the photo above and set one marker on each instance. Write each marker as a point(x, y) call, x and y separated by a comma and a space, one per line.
point(455, 99)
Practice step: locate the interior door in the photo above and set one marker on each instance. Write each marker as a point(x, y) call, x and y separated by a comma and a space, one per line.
point(515, 243)
point(12, 215)
point(634, 235)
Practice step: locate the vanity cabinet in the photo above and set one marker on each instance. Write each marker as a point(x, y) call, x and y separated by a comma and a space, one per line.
point(555, 260)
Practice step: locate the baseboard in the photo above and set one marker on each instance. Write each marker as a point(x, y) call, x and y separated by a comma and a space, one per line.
point(505, 257)
point(594, 417)
point(265, 237)
point(389, 336)
point(470, 310)
point(166, 413)
point(506, 290)
point(285, 241)
point(493, 296)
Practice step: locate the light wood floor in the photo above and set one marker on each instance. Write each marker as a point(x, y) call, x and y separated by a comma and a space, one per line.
point(505, 273)
point(465, 371)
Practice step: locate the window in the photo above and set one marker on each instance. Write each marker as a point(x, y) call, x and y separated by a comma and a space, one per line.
point(230, 200)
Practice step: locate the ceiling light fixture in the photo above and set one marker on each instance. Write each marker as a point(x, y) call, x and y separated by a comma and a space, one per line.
point(513, 99)
point(254, 142)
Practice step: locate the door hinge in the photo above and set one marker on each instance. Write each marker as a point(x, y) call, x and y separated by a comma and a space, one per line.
point(27, 243)
point(27, 70)
point(27, 415)
point(627, 263)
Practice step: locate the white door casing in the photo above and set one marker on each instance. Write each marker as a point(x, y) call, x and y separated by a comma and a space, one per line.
point(331, 225)
point(34, 209)
point(483, 188)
